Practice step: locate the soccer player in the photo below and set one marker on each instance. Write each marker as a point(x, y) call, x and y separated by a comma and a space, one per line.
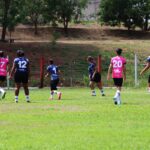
point(3, 72)
point(118, 68)
point(145, 69)
point(53, 72)
point(94, 76)
point(21, 71)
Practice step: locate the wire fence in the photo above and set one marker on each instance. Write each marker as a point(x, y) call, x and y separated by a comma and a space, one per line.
point(75, 73)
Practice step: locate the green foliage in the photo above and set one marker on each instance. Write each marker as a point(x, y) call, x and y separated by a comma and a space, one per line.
point(131, 13)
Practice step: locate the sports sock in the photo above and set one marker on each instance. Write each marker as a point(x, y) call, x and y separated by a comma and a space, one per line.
point(16, 98)
point(93, 92)
point(27, 98)
point(102, 91)
point(51, 94)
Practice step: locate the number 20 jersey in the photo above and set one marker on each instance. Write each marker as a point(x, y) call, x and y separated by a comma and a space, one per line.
point(118, 63)
point(21, 64)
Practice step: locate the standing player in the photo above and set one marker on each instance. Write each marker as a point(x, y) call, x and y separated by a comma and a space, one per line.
point(21, 71)
point(3, 72)
point(145, 69)
point(94, 76)
point(118, 68)
point(53, 72)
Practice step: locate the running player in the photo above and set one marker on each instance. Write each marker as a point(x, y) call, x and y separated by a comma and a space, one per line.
point(118, 68)
point(145, 69)
point(3, 72)
point(94, 76)
point(21, 71)
point(53, 72)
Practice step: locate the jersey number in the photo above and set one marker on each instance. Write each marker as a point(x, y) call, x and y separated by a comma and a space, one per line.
point(117, 64)
point(22, 64)
point(2, 64)
point(55, 71)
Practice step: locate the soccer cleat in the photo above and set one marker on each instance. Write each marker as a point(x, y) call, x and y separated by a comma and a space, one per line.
point(115, 100)
point(103, 94)
point(16, 101)
point(59, 95)
point(28, 101)
point(3, 95)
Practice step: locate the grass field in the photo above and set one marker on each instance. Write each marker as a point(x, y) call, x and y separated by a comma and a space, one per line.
point(77, 122)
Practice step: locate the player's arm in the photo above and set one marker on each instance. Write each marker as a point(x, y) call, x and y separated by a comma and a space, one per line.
point(146, 68)
point(28, 69)
point(47, 74)
point(12, 70)
point(124, 72)
point(109, 71)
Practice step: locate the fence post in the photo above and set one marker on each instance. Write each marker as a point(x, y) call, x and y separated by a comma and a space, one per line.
point(41, 72)
point(136, 70)
point(8, 81)
point(99, 63)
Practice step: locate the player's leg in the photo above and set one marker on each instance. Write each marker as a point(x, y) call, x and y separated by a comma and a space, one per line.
point(118, 83)
point(59, 94)
point(92, 86)
point(17, 89)
point(97, 79)
point(149, 84)
point(24, 81)
point(51, 90)
point(2, 91)
point(26, 91)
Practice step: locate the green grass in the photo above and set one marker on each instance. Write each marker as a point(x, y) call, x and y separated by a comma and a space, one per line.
point(77, 122)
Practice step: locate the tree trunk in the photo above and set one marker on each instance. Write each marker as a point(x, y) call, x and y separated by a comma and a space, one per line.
point(35, 28)
point(5, 19)
point(146, 22)
point(66, 27)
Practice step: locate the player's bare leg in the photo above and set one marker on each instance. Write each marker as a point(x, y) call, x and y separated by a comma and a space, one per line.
point(117, 99)
point(26, 91)
point(17, 89)
point(92, 88)
point(2, 91)
point(100, 86)
point(149, 87)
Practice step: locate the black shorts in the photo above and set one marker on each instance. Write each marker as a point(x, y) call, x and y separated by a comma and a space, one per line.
point(149, 79)
point(21, 77)
point(2, 78)
point(54, 84)
point(96, 78)
point(118, 81)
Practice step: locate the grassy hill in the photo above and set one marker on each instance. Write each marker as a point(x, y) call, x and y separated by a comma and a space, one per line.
point(70, 52)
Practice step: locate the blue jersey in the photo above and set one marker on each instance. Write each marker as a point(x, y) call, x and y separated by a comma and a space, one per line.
point(21, 64)
point(91, 68)
point(148, 59)
point(53, 70)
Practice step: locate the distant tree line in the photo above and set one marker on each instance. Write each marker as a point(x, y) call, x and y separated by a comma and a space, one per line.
point(130, 13)
point(35, 12)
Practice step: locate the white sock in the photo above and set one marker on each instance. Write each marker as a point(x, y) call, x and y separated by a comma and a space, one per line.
point(51, 94)
point(102, 91)
point(27, 98)
point(16, 98)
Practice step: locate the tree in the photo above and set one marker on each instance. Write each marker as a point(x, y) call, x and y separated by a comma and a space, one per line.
point(131, 13)
point(10, 14)
point(64, 11)
point(34, 10)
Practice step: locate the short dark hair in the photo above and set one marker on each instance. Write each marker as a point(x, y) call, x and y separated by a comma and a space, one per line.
point(119, 51)
point(90, 58)
point(20, 53)
point(51, 61)
point(1, 53)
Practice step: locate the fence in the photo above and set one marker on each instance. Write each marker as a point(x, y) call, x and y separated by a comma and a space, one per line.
point(75, 73)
